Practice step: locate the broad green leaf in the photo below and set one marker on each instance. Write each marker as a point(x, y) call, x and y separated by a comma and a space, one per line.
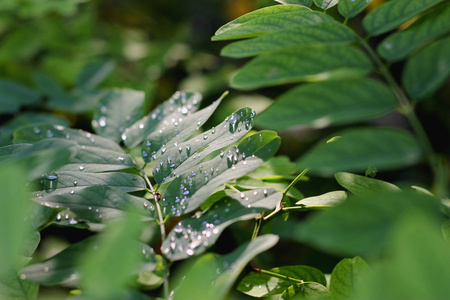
point(77, 101)
point(325, 4)
point(37, 132)
point(194, 236)
point(185, 155)
point(306, 290)
point(106, 270)
point(46, 84)
point(93, 74)
point(69, 183)
point(98, 203)
point(14, 95)
point(392, 14)
point(176, 131)
point(314, 34)
point(64, 266)
point(361, 225)
point(92, 159)
point(177, 107)
point(347, 274)
point(188, 190)
point(326, 200)
point(275, 281)
point(42, 156)
point(247, 182)
point(14, 208)
point(304, 63)
point(400, 44)
point(445, 227)
point(362, 185)
point(427, 70)
point(27, 118)
point(278, 167)
point(269, 19)
point(416, 267)
point(7, 152)
point(212, 277)
point(362, 148)
point(298, 2)
point(117, 110)
point(351, 8)
point(328, 103)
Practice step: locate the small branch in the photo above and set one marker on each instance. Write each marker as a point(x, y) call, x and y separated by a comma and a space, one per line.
point(277, 275)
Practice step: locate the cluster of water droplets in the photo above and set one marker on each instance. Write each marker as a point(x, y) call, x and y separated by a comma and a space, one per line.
point(244, 116)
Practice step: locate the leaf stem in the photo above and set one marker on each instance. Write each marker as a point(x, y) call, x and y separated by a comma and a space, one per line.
point(406, 108)
point(277, 275)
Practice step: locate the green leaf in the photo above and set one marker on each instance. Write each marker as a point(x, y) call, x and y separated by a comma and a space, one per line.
point(69, 183)
point(12, 287)
point(247, 182)
point(93, 159)
point(42, 156)
point(180, 105)
point(194, 236)
point(64, 266)
point(298, 2)
point(278, 167)
point(304, 63)
point(427, 70)
point(14, 95)
point(351, 8)
point(175, 161)
point(328, 103)
point(310, 34)
point(400, 44)
point(362, 185)
point(361, 225)
point(362, 148)
point(175, 132)
point(269, 19)
point(347, 274)
point(446, 230)
point(306, 290)
point(93, 74)
point(188, 190)
point(277, 280)
point(98, 203)
point(221, 271)
point(392, 14)
point(38, 132)
point(325, 4)
point(326, 200)
point(27, 118)
point(117, 110)
point(46, 84)
point(416, 267)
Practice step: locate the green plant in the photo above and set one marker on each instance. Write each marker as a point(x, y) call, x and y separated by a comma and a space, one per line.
point(161, 175)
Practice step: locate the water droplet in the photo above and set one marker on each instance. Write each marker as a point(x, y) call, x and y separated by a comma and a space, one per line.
point(81, 167)
point(72, 192)
point(249, 206)
point(205, 137)
point(46, 269)
point(102, 121)
point(49, 134)
point(124, 137)
point(75, 182)
point(58, 217)
point(242, 195)
point(265, 192)
point(190, 252)
point(233, 123)
point(50, 182)
point(213, 130)
point(23, 276)
point(36, 130)
point(90, 208)
point(163, 149)
point(120, 158)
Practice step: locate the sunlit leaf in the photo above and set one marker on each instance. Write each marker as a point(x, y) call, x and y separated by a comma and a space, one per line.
point(98, 203)
point(269, 19)
point(314, 34)
point(299, 2)
point(361, 225)
point(325, 4)
point(186, 155)
point(328, 103)
point(305, 63)
point(65, 265)
point(362, 148)
point(427, 70)
point(37, 132)
point(306, 290)
point(400, 44)
point(188, 190)
point(180, 105)
point(348, 273)
point(361, 185)
point(14, 95)
point(392, 14)
point(350, 8)
point(194, 236)
point(117, 110)
point(175, 131)
point(278, 167)
point(93, 74)
point(222, 271)
point(263, 284)
point(326, 200)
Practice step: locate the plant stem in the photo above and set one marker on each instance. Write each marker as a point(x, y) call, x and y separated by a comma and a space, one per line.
point(277, 275)
point(407, 109)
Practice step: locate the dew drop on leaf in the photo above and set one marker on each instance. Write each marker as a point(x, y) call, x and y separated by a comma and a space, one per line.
point(81, 167)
